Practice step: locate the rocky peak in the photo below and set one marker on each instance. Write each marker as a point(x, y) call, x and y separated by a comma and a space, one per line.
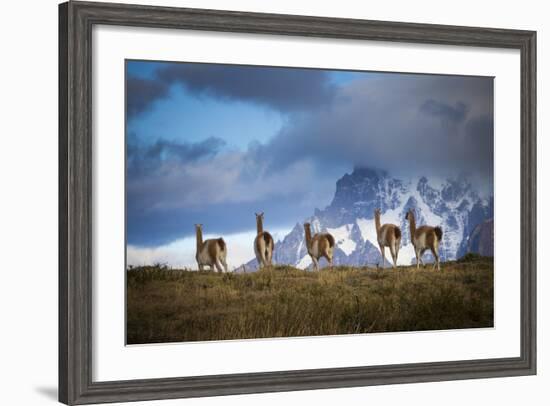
point(451, 204)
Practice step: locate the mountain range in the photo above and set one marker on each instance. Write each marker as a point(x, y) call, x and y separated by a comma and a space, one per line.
point(453, 204)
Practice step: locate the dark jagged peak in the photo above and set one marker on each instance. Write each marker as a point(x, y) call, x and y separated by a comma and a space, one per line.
point(356, 235)
point(423, 181)
point(427, 192)
point(296, 229)
point(294, 237)
point(360, 192)
point(292, 248)
point(431, 196)
point(412, 203)
point(362, 181)
point(481, 239)
point(478, 214)
point(456, 188)
point(464, 205)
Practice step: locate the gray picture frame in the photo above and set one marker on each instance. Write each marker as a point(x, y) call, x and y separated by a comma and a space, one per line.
point(76, 20)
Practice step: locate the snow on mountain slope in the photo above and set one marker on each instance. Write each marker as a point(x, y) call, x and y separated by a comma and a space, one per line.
point(368, 229)
point(343, 239)
point(304, 263)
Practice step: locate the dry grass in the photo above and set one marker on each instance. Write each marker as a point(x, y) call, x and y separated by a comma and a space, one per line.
point(166, 305)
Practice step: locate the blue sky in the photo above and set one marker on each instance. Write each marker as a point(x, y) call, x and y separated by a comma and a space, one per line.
point(215, 143)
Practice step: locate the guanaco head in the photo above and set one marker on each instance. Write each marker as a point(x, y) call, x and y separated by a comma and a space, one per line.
point(198, 226)
point(377, 212)
point(260, 215)
point(409, 214)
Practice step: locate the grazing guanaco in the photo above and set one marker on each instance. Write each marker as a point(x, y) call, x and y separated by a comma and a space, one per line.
point(319, 245)
point(212, 252)
point(388, 235)
point(263, 243)
point(424, 238)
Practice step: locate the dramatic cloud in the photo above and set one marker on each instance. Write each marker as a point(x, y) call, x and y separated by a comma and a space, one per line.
point(281, 89)
point(410, 125)
point(145, 160)
point(455, 113)
point(426, 125)
point(141, 93)
point(284, 90)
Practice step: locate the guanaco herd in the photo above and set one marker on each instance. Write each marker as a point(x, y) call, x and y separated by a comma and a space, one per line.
point(213, 252)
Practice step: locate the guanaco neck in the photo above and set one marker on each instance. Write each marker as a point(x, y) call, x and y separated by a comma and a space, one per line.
point(259, 224)
point(412, 224)
point(307, 229)
point(377, 221)
point(198, 231)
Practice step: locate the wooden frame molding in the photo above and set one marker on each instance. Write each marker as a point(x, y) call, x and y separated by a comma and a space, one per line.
point(76, 20)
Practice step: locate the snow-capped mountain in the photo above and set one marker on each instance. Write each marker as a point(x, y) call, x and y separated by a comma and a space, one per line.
point(452, 204)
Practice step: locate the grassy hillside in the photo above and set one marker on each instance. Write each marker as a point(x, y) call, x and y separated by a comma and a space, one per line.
point(167, 305)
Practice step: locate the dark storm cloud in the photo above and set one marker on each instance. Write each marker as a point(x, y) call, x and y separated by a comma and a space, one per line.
point(141, 93)
point(478, 132)
point(145, 160)
point(282, 89)
point(389, 124)
point(154, 228)
point(456, 113)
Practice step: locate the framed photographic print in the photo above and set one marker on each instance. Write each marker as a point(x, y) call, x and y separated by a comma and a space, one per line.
point(258, 202)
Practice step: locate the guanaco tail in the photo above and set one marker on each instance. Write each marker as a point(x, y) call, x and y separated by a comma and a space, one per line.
point(212, 252)
point(318, 246)
point(388, 235)
point(263, 243)
point(424, 238)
